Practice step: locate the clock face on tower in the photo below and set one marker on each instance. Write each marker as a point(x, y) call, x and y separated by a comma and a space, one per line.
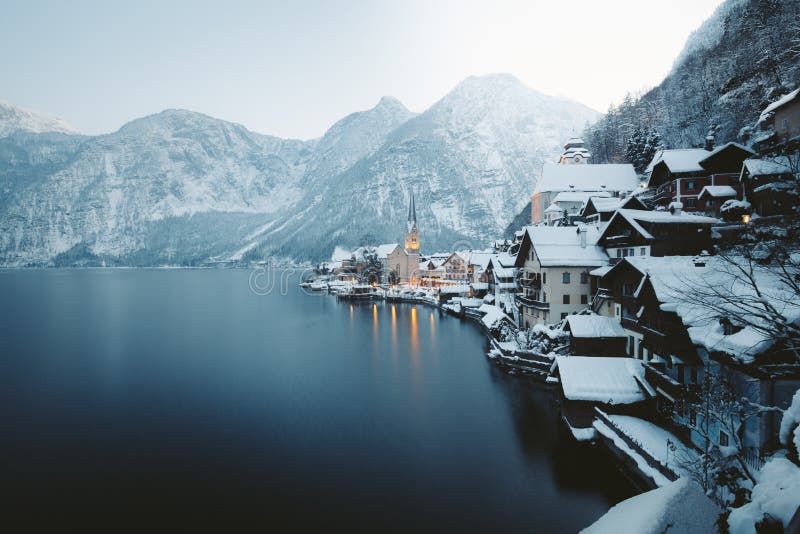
point(577, 157)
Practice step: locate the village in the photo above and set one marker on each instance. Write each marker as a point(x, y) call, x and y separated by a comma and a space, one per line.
point(662, 308)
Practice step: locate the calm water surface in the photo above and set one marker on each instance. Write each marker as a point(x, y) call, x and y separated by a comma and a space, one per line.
point(155, 398)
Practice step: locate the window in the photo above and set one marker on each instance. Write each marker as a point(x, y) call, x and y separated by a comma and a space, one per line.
point(693, 375)
point(619, 253)
point(693, 416)
point(631, 345)
point(584, 277)
point(565, 299)
point(690, 185)
point(691, 202)
point(642, 251)
point(544, 277)
point(584, 299)
point(565, 278)
point(631, 252)
point(785, 124)
point(624, 252)
point(723, 439)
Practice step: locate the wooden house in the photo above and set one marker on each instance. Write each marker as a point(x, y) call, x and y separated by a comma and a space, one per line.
point(595, 335)
point(655, 233)
point(615, 385)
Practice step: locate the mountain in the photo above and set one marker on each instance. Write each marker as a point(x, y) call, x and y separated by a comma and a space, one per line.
point(182, 187)
point(470, 159)
point(14, 119)
point(746, 55)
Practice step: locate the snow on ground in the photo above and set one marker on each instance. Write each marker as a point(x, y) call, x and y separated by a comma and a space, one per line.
point(790, 424)
point(777, 493)
point(659, 479)
point(654, 440)
point(679, 506)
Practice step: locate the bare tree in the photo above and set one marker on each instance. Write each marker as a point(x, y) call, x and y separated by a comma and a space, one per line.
point(755, 286)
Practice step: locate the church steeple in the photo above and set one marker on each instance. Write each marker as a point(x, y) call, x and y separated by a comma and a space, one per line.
point(412, 232)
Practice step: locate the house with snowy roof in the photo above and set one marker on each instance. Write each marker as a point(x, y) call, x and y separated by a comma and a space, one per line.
point(615, 385)
point(555, 264)
point(679, 175)
point(780, 126)
point(768, 185)
point(595, 335)
point(656, 233)
point(712, 197)
point(609, 178)
point(682, 326)
point(601, 209)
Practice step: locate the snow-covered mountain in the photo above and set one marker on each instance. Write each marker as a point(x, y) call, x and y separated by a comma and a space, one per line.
point(14, 119)
point(182, 187)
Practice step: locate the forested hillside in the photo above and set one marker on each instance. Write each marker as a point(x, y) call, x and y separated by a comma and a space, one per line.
point(745, 56)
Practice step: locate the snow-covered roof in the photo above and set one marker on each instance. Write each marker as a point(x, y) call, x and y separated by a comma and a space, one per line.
point(724, 147)
point(594, 326)
point(680, 160)
point(561, 246)
point(603, 177)
point(579, 196)
point(718, 191)
point(553, 208)
point(674, 278)
point(481, 259)
point(778, 103)
point(492, 315)
point(503, 272)
point(601, 271)
point(634, 217)
point(455, 290)
point(601, 379)
point(384, 250)
point(680, 506)
point(604, 205)
point(766, 167)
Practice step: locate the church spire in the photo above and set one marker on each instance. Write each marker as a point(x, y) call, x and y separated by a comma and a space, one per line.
point(412, 210)
point(412, 232)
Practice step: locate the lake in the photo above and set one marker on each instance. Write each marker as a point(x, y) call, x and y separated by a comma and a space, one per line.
point(182, 398)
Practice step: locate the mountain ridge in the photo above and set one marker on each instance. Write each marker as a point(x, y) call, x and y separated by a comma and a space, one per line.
point(183, 187)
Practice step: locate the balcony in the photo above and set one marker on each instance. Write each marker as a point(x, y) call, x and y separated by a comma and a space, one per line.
point(659, 379)
point(530, 301)
point(530, 283)
point(664, 194)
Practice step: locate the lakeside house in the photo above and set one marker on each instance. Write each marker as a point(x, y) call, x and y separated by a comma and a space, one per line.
point(615, 385)
point(595, 335)
point(684, 347)
point(555, 264)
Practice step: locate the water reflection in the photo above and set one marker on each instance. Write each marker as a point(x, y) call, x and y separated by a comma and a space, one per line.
point(414, 339)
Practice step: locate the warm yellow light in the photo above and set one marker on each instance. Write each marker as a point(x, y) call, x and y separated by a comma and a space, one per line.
point(746, 219)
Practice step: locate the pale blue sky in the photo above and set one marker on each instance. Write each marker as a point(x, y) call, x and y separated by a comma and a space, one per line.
point(293, 68)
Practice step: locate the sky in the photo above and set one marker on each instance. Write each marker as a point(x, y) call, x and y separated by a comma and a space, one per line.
point(292, 68)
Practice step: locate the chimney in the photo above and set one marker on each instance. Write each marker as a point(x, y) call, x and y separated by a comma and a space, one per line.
point(676, 208)
point(709, 142)
point(582, 232)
